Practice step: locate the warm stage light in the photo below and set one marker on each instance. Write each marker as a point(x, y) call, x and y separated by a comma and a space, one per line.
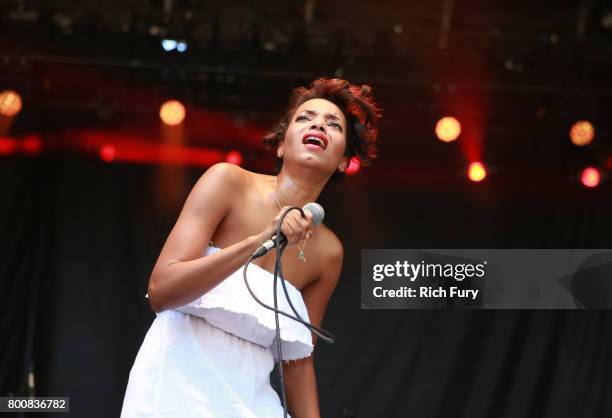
point(582, 133)
point(107, 152)
point(10, 103)
point(172, 112)
point(590, 177)
point(476, 171)
point(234, 157)
point(353, 166)
point(448, 129)
point(7, 146)
point(31, 144)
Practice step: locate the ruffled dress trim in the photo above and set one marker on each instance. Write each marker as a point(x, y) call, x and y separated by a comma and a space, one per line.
point(230, 307)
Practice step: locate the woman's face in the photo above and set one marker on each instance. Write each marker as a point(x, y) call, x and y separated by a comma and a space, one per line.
point(316, 136)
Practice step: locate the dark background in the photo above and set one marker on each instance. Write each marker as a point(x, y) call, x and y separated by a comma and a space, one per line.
point(80, 235)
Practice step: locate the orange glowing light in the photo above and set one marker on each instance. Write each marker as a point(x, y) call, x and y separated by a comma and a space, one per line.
point(476, 171)
point(582, 133)
point(10, 103)
point(590, 177)
point(448, 129)
point(172, 112)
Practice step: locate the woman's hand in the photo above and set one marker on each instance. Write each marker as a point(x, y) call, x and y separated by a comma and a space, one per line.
point(295, 227)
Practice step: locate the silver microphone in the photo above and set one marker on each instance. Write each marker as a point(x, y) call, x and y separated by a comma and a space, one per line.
point(317, 217)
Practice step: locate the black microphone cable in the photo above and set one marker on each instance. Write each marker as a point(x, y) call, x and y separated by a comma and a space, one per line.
point(323, 334)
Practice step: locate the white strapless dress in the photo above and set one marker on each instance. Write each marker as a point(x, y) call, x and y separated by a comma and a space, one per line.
point(213, 356)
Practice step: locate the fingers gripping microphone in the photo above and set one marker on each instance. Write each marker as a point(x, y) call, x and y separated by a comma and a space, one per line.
point(317, 217)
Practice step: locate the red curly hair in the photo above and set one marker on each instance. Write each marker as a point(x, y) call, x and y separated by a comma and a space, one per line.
point(356, 102)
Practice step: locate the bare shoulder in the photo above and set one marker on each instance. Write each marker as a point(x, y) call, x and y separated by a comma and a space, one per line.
point(217, 188)
point(229, 174)
point(331, 247)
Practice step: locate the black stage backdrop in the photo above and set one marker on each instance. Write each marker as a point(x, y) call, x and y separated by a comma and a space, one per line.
point(79, 238)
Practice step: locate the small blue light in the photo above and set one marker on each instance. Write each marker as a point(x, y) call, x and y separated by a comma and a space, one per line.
point(181, 46)
point(168, 44)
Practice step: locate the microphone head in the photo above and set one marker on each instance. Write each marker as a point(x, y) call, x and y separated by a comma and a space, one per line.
point(317, 212)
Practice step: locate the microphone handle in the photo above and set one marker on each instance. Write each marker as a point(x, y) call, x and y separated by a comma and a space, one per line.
point(268, 245)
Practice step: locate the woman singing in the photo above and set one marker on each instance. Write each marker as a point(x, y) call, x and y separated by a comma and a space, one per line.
point(210, 349)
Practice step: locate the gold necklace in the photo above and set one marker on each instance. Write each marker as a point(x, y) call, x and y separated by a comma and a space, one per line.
point(300, 249)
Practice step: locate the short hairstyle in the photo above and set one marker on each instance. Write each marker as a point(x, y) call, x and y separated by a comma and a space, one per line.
point(362, 116)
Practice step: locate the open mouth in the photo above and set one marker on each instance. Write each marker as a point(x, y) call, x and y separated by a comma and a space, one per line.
point(316, 140)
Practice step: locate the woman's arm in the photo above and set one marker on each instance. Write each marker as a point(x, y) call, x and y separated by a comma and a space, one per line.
point(182, 273)
point(300, 379)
